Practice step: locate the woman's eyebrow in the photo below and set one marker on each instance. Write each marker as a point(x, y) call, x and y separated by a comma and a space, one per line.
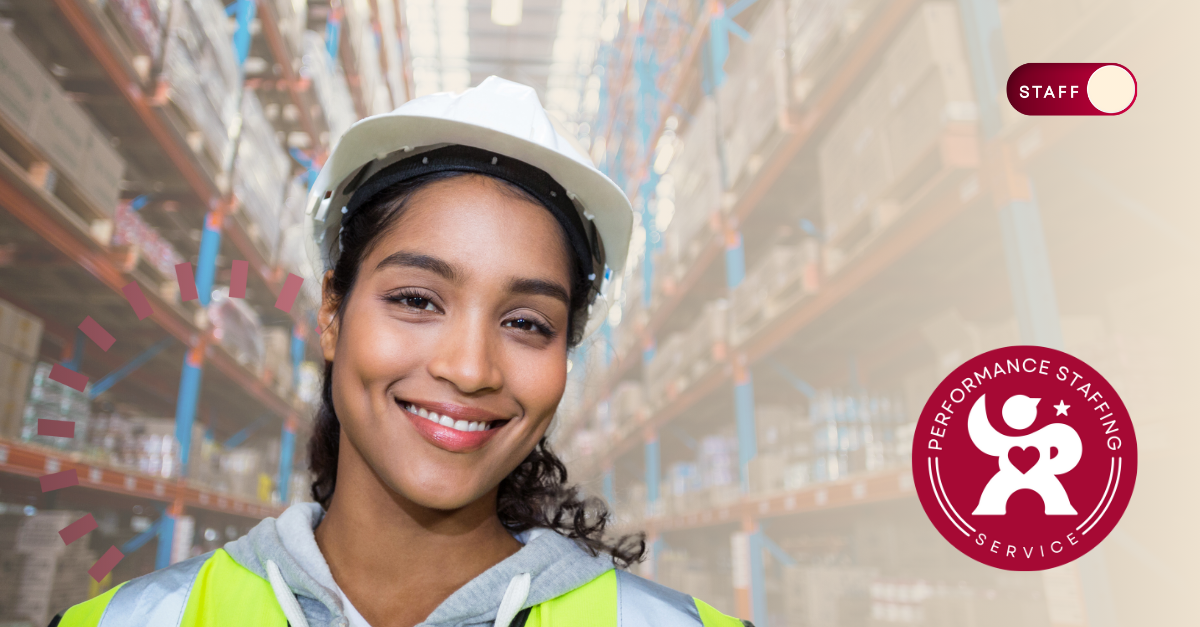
point(404, 259)
point(539, 287)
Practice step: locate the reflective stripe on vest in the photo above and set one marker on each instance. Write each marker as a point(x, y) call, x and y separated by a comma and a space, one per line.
point(158, 599)
point(621, 599)
point(213, 590)
point(643, 603)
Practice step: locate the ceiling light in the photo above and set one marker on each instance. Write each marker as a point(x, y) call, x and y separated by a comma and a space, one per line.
point(506, 12)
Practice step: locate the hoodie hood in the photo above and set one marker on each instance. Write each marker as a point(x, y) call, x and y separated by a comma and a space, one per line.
point(550, 563)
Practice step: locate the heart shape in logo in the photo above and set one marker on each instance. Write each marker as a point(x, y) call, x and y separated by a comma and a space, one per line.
point(1023, 458)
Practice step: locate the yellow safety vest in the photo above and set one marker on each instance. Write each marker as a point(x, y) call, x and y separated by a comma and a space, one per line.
point(215, 591)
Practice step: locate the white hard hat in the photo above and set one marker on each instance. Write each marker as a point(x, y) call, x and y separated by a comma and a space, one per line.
point(498, 118)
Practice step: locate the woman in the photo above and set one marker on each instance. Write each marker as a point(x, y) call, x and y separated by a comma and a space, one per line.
point(464, 244)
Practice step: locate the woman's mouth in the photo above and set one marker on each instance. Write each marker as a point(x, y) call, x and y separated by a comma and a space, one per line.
point(445, 431)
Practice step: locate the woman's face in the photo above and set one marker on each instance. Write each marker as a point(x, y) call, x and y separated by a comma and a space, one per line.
point(459, 315)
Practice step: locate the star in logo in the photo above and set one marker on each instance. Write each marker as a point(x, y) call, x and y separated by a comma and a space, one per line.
point(1061, 408)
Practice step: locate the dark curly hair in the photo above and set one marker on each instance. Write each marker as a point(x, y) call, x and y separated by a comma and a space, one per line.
point(535, 494)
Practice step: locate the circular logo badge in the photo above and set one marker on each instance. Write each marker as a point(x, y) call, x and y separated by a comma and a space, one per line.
point(1024, 458)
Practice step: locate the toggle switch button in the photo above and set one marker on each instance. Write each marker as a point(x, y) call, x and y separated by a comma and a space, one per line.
point(1072, 89)
point(1111, 89)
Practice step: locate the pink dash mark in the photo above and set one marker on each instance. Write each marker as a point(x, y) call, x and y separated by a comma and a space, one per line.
point(187, 282)
point(137, 300)
point(78, 529)
point(237, 278)
point(96, 333)
point(287, 296)
point(59, 480)
point(68, 377)
point(56, 428)
point(106, 563)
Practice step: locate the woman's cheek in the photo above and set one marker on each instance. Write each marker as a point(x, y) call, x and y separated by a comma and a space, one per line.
point(389, 346)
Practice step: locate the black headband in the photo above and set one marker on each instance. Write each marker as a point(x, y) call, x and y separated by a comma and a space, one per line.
point(585, 246)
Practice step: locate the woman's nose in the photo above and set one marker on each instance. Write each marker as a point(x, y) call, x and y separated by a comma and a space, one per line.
point(466, 356)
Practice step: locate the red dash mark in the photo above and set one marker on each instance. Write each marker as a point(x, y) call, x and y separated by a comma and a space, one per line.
point(68, 377)
point(96, 333)
point(106, 563)
point(59, 480)
point(78, 529)
point(237, 278)
point(287, 296)
point(56, 428)
point(133, 294)
point(187, 282)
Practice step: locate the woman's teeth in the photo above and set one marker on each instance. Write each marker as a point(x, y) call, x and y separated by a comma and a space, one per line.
point(445, 421)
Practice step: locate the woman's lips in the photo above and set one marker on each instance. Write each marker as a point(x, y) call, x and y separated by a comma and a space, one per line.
point(454, 440)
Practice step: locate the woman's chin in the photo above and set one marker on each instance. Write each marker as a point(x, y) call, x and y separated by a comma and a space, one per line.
point(440, 491)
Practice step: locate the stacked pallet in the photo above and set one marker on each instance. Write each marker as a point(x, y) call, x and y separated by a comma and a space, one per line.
point(35, 108)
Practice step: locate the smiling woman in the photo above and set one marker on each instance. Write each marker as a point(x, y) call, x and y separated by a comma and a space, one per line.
point(464, 247)
point(453, 294)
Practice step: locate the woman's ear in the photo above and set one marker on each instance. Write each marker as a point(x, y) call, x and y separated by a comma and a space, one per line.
point(327, 317)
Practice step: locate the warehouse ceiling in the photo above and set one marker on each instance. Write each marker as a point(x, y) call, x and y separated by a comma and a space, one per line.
point(552, 46)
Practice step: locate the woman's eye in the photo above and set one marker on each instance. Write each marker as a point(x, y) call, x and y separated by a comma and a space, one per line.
point(414, 301)
point(418, 302)
point(525, 324)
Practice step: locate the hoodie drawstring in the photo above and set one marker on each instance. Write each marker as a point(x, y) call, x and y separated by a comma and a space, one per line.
point(285, 597)
point(514, 598)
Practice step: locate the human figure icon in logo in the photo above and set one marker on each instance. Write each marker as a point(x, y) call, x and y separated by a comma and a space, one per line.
point(1027, 462)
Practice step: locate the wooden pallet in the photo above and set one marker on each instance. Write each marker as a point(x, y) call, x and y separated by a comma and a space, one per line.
point(42, 173)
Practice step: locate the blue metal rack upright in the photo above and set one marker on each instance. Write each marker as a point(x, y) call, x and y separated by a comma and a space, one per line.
point(1027, 261)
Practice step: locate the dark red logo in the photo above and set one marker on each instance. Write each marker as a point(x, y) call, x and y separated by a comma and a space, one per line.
point(1072, 89)
point(1024, 458)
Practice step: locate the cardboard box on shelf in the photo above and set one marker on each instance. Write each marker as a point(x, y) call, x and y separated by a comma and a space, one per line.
point(201, 68)
point(20, 331)
point(874, 155)
point(819, 34)
point(853, 157)
point(917, 126)
point(63, 132)
point(43, 574)
point(695, 174)
point(25, 87)
point(34, 104)
point(260, 176)
point(930, 42)
point(20, 340)
point(101, 178)
point(752, 98)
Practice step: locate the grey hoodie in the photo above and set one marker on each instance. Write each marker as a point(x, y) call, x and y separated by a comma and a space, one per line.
point(554, 564)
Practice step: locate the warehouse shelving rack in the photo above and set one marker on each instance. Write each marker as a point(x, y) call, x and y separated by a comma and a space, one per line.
point(982, 167)
point(18, 458)
point(85, 23)
point(62, 227)
point(57, 225)
point(949, 194)
point(793, 138)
